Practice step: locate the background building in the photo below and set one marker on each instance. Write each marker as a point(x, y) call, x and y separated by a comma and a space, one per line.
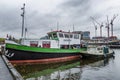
point(85, 35)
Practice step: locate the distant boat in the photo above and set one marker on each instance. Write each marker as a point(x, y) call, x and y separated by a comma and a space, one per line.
point(112, 42)
point(97, 51)
point(98, 47)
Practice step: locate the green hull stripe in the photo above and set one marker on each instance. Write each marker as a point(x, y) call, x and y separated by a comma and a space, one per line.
point(37, 49)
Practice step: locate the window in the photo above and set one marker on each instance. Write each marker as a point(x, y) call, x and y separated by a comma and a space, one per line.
point(50, 36)
point(99, 48)
point(34, 43)
point(54, 35)
point(71, 35)
point(66, 35)
point(60, 35)
point(76, 36)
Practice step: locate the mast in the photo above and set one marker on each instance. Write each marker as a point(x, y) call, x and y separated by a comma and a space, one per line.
point(57, 26)
point(57, 34)
point(69, 40)
point(23, 15)
point(73, 28)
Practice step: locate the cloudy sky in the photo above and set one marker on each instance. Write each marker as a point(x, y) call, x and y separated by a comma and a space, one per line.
point(42, 16)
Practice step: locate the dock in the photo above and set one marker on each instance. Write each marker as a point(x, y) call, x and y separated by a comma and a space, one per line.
point(7, 71)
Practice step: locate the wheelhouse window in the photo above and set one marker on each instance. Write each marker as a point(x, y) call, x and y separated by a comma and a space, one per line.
point(76, 36)
point(54, 35)
point(50, 36)
point(60, 35)
point(71, 36)
point(66, 35)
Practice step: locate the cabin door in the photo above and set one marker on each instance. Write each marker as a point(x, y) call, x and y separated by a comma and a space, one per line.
point(46, 44)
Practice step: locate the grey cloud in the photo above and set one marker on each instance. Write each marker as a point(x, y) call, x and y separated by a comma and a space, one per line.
point(9, 20)
point(69, 12)
point(75, 3)
point(78, 12)
point(78, 7)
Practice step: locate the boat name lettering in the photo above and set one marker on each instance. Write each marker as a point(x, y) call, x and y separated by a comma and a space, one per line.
point(34, 42)
point(46, 42)
point(67, 40)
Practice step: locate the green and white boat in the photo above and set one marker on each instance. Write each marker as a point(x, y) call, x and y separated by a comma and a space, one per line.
point(56, 46)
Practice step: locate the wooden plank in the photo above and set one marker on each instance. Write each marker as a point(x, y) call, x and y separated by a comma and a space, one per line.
point(16, 75)
point(4, 71)
point(7, 71)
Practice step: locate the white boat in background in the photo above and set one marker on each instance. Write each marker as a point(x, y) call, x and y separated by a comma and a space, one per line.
point(97, 51)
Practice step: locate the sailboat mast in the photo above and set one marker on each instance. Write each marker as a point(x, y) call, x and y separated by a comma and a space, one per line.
point(23, 15)
point(57, 26)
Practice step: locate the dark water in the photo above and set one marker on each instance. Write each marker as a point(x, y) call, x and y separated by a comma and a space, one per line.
point(106, 69)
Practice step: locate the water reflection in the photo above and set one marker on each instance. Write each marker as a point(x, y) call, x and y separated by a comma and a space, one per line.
point(44, 69)
point(74, 70)
point(70, 74)
point(96, 62)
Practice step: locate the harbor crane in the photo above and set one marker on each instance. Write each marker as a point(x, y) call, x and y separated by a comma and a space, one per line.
point(111, 23)
point(107, 26)
point(101, 25)
point(95, 28)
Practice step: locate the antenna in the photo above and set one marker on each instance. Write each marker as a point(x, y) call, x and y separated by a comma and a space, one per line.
point(57, 26)
point(23, 14)
point(73, 28)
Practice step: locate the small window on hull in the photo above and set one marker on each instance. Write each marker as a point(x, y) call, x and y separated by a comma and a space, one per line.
point(46, 44)
point(34, 43)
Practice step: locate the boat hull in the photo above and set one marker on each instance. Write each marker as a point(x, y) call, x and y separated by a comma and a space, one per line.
point(29, 55)
point(22, 52)
point(20, 56)
point(93, 56)
point(114, 46)
point(46, 61)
